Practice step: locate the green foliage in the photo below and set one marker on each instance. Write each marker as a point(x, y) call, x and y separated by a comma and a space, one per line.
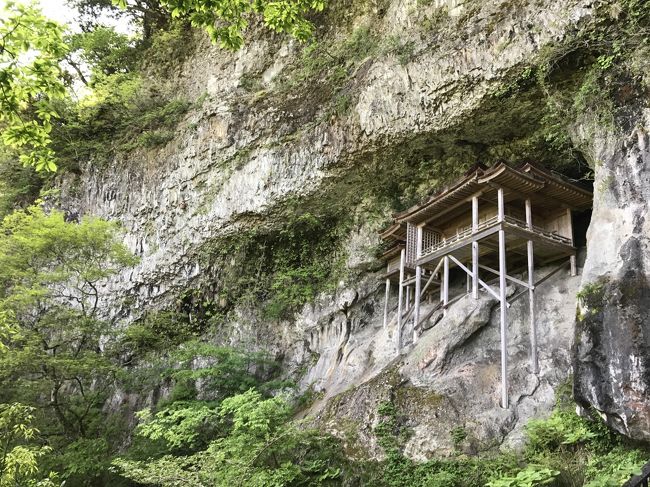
point(615, 467)
point(106, 51)
point(531, 476)
point(225, 21)
point(458, 436)
point(256, 444)
point(19, 185)
point(563, 428)
point(30, 80)
point(123, 113)
point(280, 270)
point(53, 363)
point(158, 331)
point(18, 456)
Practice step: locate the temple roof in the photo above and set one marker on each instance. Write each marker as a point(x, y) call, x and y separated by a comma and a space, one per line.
point(545, 188)
point(396, 232)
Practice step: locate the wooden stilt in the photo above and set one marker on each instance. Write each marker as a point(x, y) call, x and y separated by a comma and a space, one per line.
point(408, 298)
point(572, 259)
point(503, 306)
point(475, 248)
point(574, 265)
point(531, 292)
point(418, 285)
point(416, 305)
point(386, 302)
point(445, 284)
point(399, 301)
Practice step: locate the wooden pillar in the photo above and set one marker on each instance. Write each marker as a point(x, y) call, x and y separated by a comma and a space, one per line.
point(445, 284)
point(418, 285)
point(408, 298)
point(386, 302)
point(503, 306)
point(500, 205)
point(572, 259)
point(531, 292)
point(475, 248)
point(399, 301)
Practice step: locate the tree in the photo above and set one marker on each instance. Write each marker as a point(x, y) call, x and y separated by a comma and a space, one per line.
point(57, 357)
point(147, 13)
point(31, 47)
point(257, 445)
point(226, 20)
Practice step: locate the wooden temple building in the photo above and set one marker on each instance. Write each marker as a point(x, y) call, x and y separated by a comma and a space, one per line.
point(491, 222)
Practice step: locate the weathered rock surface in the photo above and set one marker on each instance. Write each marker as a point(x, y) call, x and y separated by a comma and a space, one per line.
point(612, 355)
point(451, 378)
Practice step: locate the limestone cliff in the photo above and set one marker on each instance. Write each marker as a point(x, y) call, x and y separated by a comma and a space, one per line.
point(423, 91)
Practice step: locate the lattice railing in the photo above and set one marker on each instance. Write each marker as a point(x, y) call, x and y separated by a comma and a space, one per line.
point(411, 244)
point(430, 239)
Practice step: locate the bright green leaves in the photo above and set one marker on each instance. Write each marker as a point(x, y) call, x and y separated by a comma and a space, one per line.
point(56, 351)
point(226, 20)
point(31, 47)
point(18, 459)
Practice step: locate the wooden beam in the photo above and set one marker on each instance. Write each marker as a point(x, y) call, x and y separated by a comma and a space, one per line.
point(503, 309)
point(537, 284)
point(531, 309)
point(399, 301)
point(501, 215)
point(513, 279)
point(386, 302)
point(426, 286)
point(481, 282)
point(475, 251)
point(445, 283)
point(418, 273)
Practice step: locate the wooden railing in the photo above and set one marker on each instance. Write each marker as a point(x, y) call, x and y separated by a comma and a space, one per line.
point(467, 232)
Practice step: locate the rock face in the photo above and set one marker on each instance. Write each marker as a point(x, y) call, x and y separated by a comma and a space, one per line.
point(451, 378)
point(612, 354)
point(240, 158)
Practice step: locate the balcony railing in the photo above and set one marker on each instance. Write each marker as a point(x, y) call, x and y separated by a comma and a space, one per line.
point(466, 232)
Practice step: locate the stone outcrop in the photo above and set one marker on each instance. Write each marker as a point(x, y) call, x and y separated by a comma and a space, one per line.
point(612, 354)
point(451, 378)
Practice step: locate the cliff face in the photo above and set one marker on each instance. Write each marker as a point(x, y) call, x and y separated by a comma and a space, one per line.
point(612, 369)
point(454, 85)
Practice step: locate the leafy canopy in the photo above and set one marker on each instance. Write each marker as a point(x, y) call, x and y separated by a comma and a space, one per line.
point(56, 350)
point(226, 20)
point(30, 79)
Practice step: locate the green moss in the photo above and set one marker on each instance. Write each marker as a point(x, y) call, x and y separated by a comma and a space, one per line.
point(591, 299)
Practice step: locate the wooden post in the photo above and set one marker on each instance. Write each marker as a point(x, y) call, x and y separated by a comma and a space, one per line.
point(531, 292)
point(503, 306)
point(475, 248)
point(408, 298)
point(500, 205)
point(572, 259)
point(386, 302)
point(445, 285)
point(399, 300)
point(418, 284)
